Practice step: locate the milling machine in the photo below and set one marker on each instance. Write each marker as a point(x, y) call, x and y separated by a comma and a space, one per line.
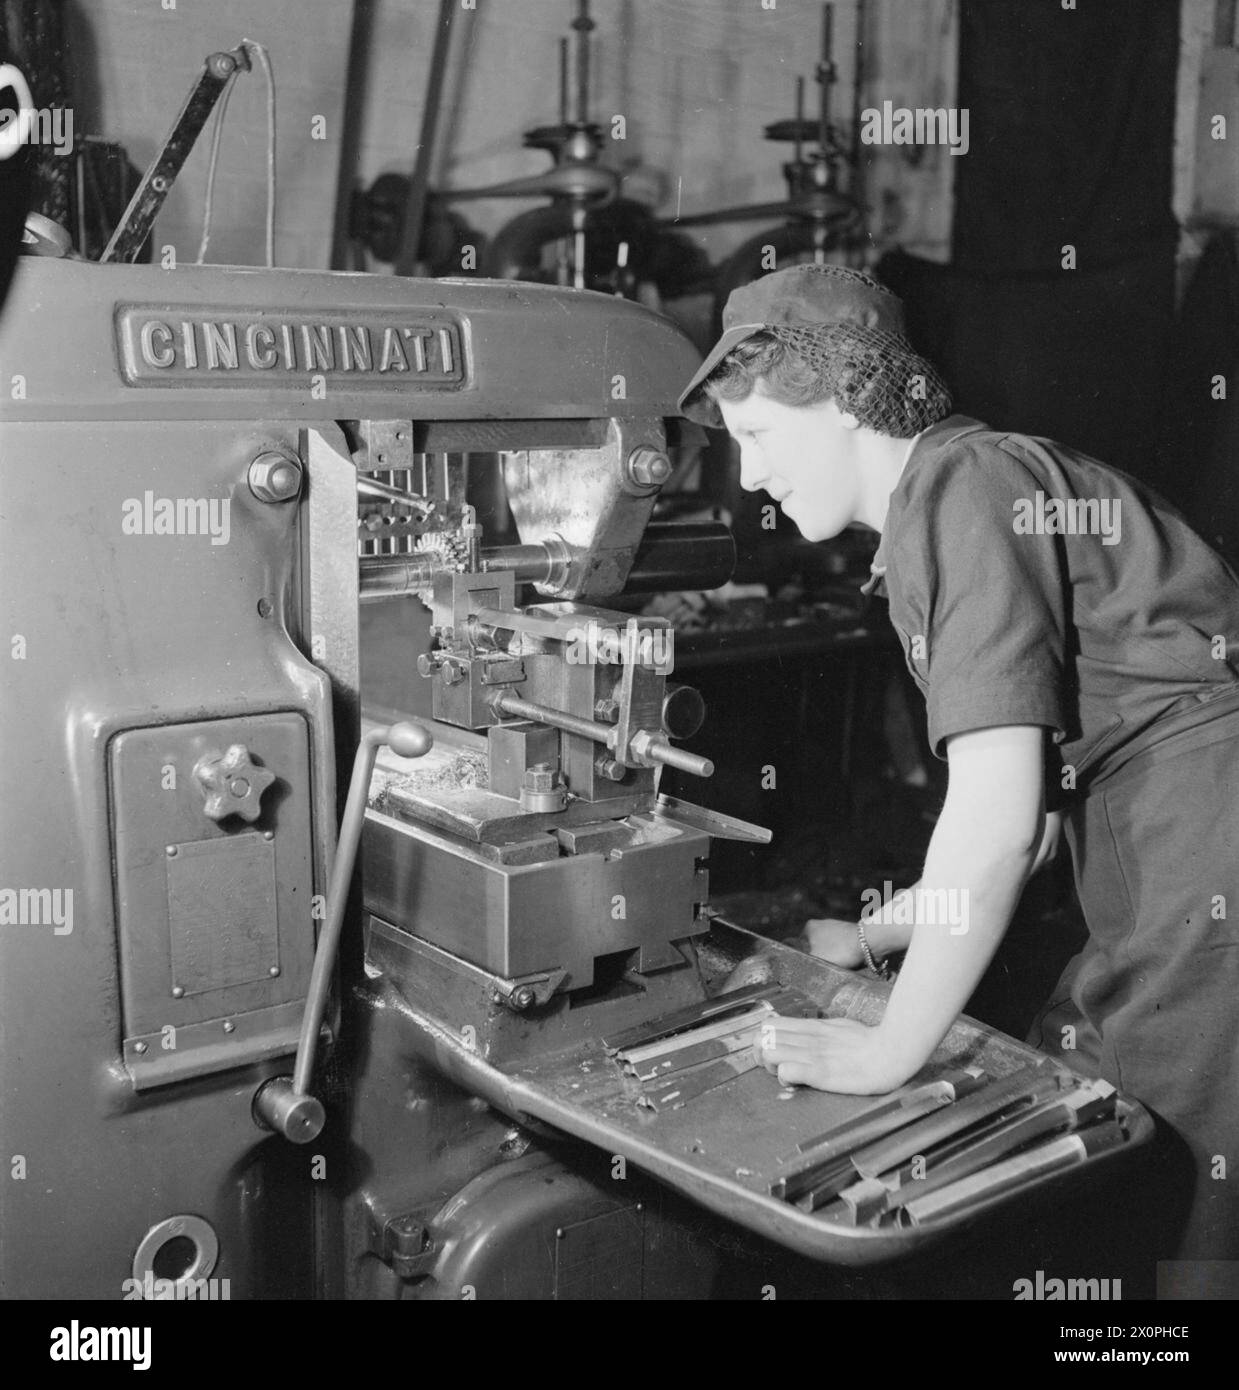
point(206, 474)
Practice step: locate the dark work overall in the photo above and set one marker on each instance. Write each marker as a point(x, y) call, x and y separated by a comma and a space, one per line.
point(1152, 1002)
point(1111, 643)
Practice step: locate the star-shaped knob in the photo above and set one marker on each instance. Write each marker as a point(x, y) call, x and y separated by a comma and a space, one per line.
point(232, 784)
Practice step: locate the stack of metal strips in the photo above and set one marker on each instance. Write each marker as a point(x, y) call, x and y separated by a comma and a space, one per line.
point(943, 1148)
point(684, 1054)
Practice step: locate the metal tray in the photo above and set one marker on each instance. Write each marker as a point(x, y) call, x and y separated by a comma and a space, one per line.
point(723, 1148)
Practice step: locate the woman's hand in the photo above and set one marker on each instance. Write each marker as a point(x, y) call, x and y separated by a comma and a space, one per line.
point(830, 1054)
point(836, 941)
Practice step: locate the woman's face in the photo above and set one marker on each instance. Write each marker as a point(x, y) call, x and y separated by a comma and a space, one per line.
point(803, 456)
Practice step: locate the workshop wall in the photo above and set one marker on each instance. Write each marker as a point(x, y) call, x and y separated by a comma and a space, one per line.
point(696, 82)
point(135, 61)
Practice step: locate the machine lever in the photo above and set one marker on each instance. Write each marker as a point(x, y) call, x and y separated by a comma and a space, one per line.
point(284, 1103)
point(138, 218)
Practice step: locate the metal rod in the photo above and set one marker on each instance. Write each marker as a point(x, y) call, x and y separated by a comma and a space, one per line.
point(531, 564)
point(497, 620)
point(390, 576)
point(825, 77)
point(79, 177)
point(578, 245)
point(692, 763)
point(507, 703)
point(1043, 1159)
point(666, 1025)
point(657, 750)
point(355, 83)
point(563, 82)
point(582, 24)
point(858, 101)
point(672, 555)
point(419, 185)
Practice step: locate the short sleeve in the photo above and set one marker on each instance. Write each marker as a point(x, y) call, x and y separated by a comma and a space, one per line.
point(986, 594)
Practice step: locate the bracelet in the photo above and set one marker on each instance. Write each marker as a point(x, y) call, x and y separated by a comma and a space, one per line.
point(880, 969)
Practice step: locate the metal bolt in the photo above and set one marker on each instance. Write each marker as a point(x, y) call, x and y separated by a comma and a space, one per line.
point(268, 834)
point(540, 778)
point(239, 786)
point(178, 991)
point(610, 769)
point(648, 467)
point(274, 971)
point(229, 1026)
point(275, 477)
point(139, 1047)
point(453, 673)
point(171, 851)
point(522, 997)
point(159, 184)
point(607, 710)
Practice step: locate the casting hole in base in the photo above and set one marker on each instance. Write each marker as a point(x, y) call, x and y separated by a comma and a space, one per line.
point(175, 1258)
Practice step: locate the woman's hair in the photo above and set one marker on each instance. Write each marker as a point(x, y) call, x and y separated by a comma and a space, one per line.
point(868, 372)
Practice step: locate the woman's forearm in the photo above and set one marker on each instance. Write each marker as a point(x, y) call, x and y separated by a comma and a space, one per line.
point(963, 904)
point(889, 926)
